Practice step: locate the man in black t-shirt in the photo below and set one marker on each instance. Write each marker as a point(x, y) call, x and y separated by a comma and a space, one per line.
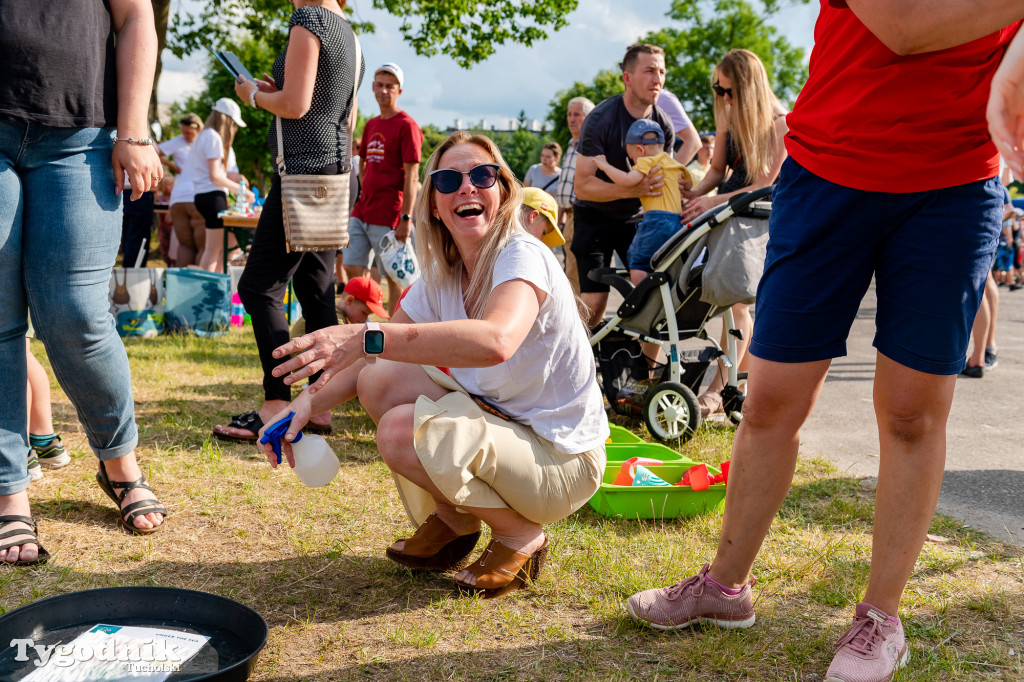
point(603, 210)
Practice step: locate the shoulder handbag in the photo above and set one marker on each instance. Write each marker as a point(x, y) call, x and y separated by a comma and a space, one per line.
point(735, 261)
point(315, 207)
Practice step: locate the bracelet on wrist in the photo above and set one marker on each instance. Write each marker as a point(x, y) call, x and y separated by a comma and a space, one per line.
point(144, 141)
point(252, 98)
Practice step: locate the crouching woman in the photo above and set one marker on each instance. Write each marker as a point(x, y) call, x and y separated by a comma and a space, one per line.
point(513, 435)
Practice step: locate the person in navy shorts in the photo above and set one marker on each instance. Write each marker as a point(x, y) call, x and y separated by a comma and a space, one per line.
point(891, 177)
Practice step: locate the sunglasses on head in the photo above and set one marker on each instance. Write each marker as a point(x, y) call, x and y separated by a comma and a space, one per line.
point(448, 180)
point(720, 91)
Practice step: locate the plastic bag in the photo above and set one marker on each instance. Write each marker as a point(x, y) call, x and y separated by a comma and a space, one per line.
point(399, 260)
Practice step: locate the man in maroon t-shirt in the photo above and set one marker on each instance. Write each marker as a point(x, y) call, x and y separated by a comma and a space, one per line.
point(389, 161)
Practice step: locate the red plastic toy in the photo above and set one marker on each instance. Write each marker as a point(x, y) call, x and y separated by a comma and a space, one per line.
point(699, 478)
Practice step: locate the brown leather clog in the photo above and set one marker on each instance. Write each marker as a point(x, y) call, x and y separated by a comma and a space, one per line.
point(501, 570)
point(435, 547)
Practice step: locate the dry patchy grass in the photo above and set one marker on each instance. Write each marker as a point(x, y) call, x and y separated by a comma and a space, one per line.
point(312, 562)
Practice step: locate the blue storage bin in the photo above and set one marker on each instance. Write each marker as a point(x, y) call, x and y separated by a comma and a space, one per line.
point(197, 302)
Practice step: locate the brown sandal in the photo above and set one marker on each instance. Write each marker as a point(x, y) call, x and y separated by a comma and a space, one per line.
point(500, 570)
point(435, 547)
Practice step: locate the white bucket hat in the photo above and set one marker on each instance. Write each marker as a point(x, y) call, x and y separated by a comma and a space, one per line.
point(230, 108)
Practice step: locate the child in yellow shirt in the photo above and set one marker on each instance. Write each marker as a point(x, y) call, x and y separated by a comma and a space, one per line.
point(645, 141)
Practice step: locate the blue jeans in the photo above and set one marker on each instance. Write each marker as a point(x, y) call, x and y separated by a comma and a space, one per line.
point(653, 230)
point(60, 228)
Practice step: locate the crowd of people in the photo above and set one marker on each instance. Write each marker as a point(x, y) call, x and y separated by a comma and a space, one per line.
point(481, 379)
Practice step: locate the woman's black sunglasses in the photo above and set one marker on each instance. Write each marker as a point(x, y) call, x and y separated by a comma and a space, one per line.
point(448, 180)
point(720, 91)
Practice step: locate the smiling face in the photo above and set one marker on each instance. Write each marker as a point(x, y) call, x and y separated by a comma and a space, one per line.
point(468, 211)
point(647, 79)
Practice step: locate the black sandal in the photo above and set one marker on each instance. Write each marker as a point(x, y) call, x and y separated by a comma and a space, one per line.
point(248, 421)
point(135, 509)
point(33, 538)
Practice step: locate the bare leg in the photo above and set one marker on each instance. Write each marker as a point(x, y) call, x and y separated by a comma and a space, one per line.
point(356, 271)
point(212, 258)
point(745, 323)
point(911, 408)
point(779, 399)
point(596, 301)
point(979, 332)
point(395, 442)
point(394, 293)
point(40, 414)
point(992, 296)
point(340, 273)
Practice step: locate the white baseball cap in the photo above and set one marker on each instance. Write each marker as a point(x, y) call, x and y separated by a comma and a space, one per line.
point(230, 108)
point(394, 69)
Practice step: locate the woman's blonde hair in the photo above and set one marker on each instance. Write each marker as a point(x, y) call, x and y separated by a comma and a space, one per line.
point(225, 127)
point(436, 249)
point(751, 117)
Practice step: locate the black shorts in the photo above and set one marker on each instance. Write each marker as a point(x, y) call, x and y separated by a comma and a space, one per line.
point(209, 205)
point(595, 237)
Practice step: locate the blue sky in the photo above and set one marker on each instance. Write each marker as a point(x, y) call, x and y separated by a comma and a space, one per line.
point(514, 78)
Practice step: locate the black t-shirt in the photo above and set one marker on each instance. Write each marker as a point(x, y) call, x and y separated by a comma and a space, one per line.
point(58, 61)
point(320, 137)
point(604, 132)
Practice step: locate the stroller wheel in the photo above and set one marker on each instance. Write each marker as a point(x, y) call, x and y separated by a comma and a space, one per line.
point(671, 412)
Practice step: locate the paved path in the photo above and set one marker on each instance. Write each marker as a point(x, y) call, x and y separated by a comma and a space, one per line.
point(984, 480)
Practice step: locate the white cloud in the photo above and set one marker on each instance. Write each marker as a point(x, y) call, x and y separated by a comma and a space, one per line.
point(514, 78)
point(177, 86)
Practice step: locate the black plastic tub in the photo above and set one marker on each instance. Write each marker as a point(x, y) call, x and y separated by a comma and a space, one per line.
point(237, 633)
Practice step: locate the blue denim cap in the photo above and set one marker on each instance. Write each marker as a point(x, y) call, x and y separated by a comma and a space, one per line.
point(636, 132)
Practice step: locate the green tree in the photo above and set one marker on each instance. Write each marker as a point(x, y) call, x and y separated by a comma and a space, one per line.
point(606, 84)
point(432, 139)
point(520, 148)
point(692, 51)
point(250, 145)
point(468, 31)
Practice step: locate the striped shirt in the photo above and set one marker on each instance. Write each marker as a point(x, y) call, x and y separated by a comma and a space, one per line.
point(564, 193)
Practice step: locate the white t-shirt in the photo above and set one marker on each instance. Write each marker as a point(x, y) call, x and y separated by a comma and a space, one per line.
point(671, 105)
point(208, 145)
point(550, 383)
point(178, 149)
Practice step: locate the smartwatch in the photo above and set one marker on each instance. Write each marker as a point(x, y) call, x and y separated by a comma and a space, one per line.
point(405, 216)
point(373, 342)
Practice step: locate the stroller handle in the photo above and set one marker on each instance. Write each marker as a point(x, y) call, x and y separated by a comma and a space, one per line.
point(741, 201)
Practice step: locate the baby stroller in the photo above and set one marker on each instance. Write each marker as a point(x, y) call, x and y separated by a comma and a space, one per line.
point(667, 308)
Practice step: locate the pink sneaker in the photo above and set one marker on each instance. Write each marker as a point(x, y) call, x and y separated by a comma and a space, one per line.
point(871, 650)
point(693, 601)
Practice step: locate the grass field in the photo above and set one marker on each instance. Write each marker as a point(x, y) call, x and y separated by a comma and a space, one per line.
point(311, 561)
